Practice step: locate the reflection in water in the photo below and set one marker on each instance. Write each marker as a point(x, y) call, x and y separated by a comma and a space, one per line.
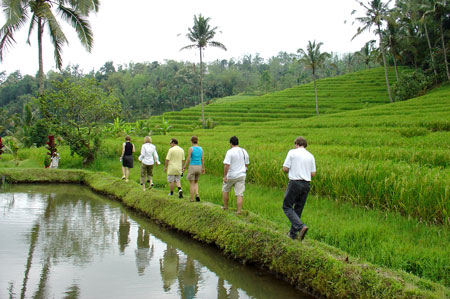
point(60, 242)
point(143, 251)
point(168, 266)
point(42, 287)
point(33, 240)
point(223, 293)
point(73, 292)
point(188, 279)
point(124, 231)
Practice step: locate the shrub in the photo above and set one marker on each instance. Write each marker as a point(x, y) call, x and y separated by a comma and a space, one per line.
point(39, 132)
point(412, 85)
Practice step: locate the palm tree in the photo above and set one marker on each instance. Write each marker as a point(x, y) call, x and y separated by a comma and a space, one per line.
point(313, 59)
point(392, 40)
point(421, 8)
point(43, 12)
point(409, 33)
point(201, 34)
point(376, 13)
point(438, 10)
point(366, 53)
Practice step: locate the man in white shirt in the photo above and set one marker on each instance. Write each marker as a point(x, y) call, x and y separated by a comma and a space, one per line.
point(301, 166)
point(235, 168)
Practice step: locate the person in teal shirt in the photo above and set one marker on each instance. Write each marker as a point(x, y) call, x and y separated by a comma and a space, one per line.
point(196, 167)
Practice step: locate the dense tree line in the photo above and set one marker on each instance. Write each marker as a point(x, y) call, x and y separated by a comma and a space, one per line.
point(413, 33)
point(151, 88)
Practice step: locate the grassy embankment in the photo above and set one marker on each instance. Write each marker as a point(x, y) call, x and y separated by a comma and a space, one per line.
point(382, 185)
point(311, 265)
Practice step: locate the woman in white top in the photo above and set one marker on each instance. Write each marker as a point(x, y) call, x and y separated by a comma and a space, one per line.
point(148, 157)
point(55, 159)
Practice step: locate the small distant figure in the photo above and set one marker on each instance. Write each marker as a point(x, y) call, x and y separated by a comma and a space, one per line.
point(149, 158)
point(301, 167)
point(127, 158)
point(235, 168)
point(174, 166)
point(196, 167)
point(54, 159)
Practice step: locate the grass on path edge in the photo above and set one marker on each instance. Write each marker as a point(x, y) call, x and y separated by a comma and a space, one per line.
point(312, 266)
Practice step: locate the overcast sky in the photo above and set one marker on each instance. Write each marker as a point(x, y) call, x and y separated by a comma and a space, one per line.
point(147, 30)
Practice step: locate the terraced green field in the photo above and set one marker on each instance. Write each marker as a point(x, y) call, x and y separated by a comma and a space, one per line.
point(392, 157)
point(348, 92)
point(382, 189)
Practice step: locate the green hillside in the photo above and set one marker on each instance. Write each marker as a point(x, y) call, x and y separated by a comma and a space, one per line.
point(348, 92)
point(393, 157)
point(381, 192)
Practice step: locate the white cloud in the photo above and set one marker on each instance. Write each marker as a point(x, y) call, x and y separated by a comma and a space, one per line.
point(144, 30)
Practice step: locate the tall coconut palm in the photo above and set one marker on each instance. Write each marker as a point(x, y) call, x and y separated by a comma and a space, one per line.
point(376, 13)
point(314, 60)
point(201, 34)
point(366, 53)
point(414, 11)
point(42, 14)
point(392, 41)
point(438, 11)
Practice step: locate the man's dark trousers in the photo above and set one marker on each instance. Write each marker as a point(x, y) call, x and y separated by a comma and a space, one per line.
point(293, 204)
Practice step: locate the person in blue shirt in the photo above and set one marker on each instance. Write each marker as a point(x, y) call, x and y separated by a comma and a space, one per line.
point(196, 167)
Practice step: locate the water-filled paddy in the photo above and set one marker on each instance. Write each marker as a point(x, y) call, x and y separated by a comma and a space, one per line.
point(64, 241)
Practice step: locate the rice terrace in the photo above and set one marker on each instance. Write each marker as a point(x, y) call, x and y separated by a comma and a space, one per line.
point(80, 221)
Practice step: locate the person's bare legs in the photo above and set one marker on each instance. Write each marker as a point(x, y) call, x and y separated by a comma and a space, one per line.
point(239, 200)
point(127, 173)
point(172, 185)
point(225, 200)
point(192, 189)
point(196, 188)
point(123, 172)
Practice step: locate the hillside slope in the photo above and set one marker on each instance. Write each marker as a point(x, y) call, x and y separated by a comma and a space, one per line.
point(392, 157)
point(348, 92)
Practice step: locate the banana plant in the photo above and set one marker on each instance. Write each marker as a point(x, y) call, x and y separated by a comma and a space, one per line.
point(12, 147)
point(117, 126)
point(164, 127)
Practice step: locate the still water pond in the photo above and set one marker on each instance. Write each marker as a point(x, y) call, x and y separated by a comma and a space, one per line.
point(64, 241)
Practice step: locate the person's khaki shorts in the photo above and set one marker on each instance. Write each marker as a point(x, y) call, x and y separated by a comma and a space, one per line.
point(173, 178)
point(194, 172)
point(237, 183)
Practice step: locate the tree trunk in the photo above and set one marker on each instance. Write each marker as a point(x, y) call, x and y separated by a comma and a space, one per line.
point(395, 66)
point(445, 51)
point(431, 50)
point(201, 89)
point(385, 67)
point(41, 61)
point(90, 158)
point(315, 93)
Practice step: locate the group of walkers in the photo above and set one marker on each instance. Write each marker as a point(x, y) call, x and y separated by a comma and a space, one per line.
point(174, 166)
point(299, 164)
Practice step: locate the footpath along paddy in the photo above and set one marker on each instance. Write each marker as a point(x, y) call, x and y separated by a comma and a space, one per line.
point(381, 196)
